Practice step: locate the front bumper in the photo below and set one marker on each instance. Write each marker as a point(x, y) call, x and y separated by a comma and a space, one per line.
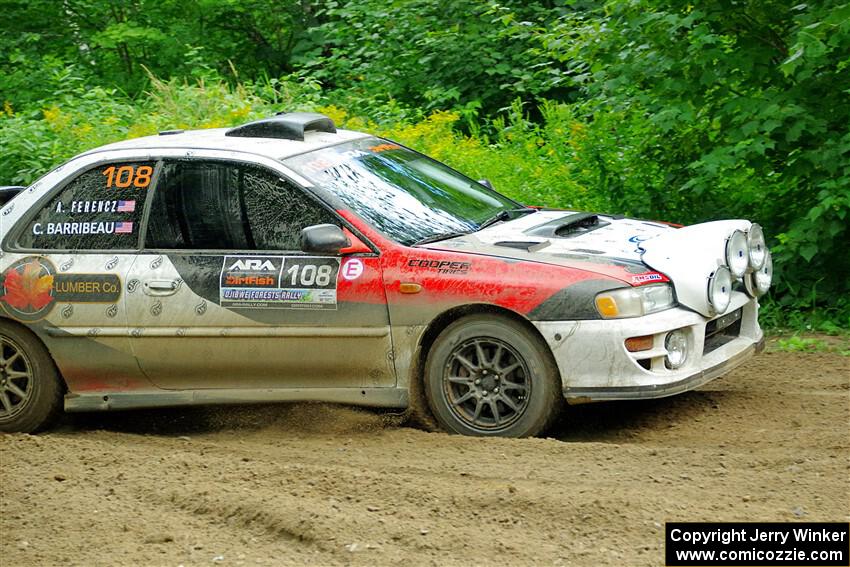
point(595, 365)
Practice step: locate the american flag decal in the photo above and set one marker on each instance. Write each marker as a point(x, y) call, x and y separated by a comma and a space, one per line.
point(126, 206)
point(123, 227)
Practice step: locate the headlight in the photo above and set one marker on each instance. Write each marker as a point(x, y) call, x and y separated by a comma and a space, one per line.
point(737, 255)
point(757, 246)
point(634, 301)
point(720, 289)
point(764, 275)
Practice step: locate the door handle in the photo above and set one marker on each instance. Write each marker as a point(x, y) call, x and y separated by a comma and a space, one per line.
point(161, 287)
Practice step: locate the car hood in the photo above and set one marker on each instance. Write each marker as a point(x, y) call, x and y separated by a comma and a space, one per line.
point(635, 251)
point(542, 237)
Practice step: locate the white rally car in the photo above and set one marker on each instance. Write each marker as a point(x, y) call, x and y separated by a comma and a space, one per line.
point(287, 260)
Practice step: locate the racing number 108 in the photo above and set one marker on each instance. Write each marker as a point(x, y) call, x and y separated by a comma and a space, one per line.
point(310, 274)
point(126, 175)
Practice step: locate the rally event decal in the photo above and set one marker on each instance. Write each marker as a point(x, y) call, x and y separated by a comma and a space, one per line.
point(279, 282)
point(30, 288)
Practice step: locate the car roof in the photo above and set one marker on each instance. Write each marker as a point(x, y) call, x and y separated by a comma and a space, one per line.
point(215, 139)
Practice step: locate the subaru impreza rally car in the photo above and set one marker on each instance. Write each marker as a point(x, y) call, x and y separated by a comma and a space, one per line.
point(287, 260)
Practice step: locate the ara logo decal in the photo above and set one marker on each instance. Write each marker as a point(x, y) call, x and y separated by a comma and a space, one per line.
point(241, 271)
point(253, 265)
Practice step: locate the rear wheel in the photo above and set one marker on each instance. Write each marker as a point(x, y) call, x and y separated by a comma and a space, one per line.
point(490, 376)
point(30, 392)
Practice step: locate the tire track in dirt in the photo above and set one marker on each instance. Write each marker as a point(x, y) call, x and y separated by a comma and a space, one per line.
point(322, 485)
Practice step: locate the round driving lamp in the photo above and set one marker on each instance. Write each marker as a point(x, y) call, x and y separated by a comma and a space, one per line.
point(720, 289)
point(757, 246)
point(764, 275)
point(737, 254)
point(676, 344)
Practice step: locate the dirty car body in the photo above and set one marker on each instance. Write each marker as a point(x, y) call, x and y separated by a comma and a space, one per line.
point(287, 260)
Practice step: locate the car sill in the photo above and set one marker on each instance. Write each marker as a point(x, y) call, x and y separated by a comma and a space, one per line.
point(105, 401)
point(217, 332)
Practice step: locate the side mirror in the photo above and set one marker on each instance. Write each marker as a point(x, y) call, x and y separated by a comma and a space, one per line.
point(486, 183)
point(323, 239)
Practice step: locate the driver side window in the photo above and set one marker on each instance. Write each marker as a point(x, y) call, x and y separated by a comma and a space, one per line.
point(219, 205)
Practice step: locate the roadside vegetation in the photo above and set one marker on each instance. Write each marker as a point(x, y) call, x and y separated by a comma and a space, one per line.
point(651, 108)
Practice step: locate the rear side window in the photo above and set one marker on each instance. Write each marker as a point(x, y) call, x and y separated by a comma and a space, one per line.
point(209, 205)
point(100, 209)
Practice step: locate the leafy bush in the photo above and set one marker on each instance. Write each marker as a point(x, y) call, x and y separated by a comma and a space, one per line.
point(606, 153)
point(34, 141)
point(432, 55)
point(744, 112)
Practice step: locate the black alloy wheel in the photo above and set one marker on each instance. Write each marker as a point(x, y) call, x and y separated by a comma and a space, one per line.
point(489, 375)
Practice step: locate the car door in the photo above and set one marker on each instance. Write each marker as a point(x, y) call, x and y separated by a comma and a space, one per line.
point(73, 253)
point(222, 297)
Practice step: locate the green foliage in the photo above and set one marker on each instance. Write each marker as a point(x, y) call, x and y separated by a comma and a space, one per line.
point(429, 54)
point(802, 344)
point(746, 115)
point(653, 108)
point(114, 44)
point(797, 343)
point(37, 140)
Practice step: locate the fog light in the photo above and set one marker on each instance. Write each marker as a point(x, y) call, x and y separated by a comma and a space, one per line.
point(676, 344)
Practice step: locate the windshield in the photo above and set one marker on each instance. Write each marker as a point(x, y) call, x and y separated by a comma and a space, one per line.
point(405, 195)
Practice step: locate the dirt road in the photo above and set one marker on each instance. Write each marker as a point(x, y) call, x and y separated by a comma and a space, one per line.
point(322, 485)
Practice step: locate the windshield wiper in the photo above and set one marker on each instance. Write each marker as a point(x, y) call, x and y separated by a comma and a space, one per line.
point(440, 236)
point(504, 216)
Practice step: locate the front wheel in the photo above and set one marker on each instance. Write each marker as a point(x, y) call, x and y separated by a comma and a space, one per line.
point(488, 375)
point(30, 392)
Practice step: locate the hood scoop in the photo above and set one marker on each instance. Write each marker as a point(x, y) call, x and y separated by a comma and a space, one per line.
point(528, 246)
point(569, 226)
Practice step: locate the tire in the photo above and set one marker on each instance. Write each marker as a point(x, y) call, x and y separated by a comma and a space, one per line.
point(30, 391)
point(488, 375)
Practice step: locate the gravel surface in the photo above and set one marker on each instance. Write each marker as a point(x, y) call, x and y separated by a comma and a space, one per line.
point(313, 484)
